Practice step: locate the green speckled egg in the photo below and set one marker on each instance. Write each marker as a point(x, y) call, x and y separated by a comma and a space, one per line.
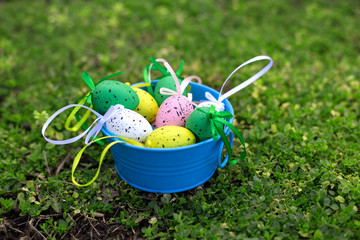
point(199, 123)
point(166, 82)
point(147, 107)
point(109, 92)
point(170, 137)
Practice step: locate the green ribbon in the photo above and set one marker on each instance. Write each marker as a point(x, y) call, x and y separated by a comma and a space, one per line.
point(217, 123)
point(163, 70)
point(88, 80)
point(80, 120)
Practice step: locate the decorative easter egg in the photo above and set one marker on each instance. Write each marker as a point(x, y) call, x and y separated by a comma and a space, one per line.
point(147, 107)
point(129, 124)
point(170, 137)
point(166, 82)
point(199, 123)
point(174, 111)
point(109, 92)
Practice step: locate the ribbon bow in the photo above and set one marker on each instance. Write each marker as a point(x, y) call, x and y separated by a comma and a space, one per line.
point(179, 88)
point(218, 102)
point(217, 123)
point(101, 120)
point(154, 65)
point(219, 106)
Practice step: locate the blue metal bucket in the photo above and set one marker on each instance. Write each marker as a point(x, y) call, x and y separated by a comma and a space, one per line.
point(173, 169)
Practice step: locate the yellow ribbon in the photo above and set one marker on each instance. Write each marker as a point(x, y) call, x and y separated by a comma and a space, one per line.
point(78, 157)
point(139, 85)
point(73, 112)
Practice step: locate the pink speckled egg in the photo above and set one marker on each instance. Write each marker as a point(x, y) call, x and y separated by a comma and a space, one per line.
point(174, 111)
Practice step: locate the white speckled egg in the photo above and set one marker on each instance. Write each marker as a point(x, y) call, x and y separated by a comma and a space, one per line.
point(129, 124)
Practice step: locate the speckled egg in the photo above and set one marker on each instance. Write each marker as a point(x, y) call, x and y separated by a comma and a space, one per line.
point(170, 137)
point(129, 124)
point(147, 107)
point(166, 82)
point(174, 111)
point(199, 123)
point(109, 92)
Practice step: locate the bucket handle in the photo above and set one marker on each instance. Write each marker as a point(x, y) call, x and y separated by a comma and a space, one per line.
point(222, 164)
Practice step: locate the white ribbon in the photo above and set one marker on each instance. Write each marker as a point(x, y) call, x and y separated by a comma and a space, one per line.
point(219, 106)
point(92, 132)
point(151, 64)
point(218, 102)
point(179, 88)
point(187, 80)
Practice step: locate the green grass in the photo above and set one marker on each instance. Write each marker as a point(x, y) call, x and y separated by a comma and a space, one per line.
point(300, 121)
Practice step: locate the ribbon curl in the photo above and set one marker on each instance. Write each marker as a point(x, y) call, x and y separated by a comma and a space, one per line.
point(216, 122)
point(180, 88)
point(92, 132)
point(78, 157)
point(218, 102)
point(154, 65)
point(80, 121)
point(91, 136)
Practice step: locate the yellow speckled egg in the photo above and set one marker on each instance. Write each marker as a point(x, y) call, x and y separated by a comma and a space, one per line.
point(170, 137)
point(147, 107)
